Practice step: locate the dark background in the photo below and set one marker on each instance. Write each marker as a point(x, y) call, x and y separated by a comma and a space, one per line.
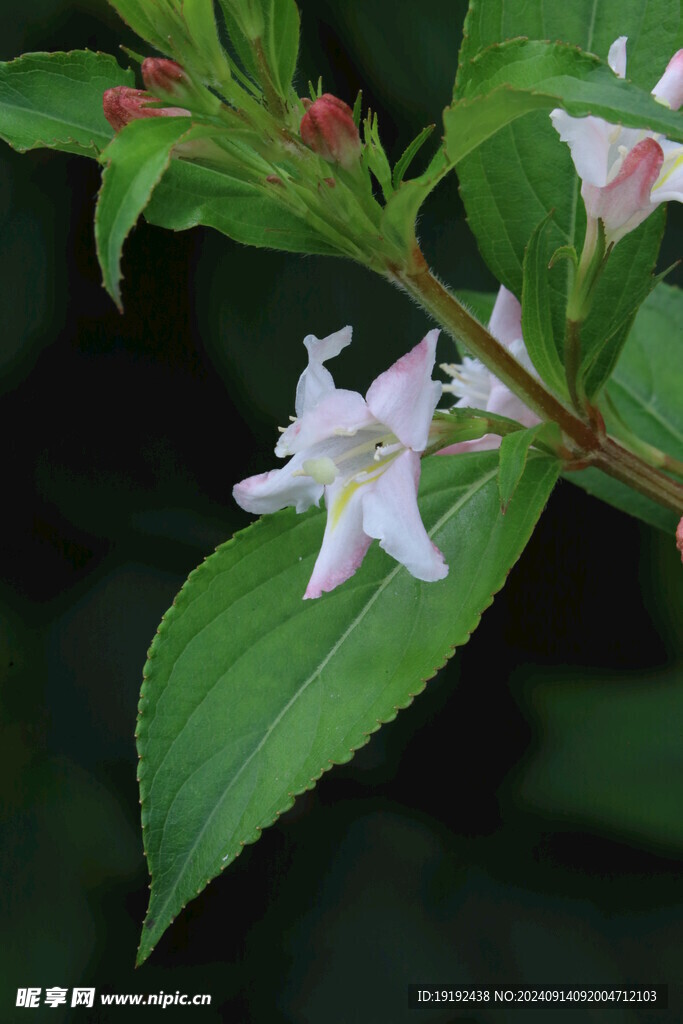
point(520, 824)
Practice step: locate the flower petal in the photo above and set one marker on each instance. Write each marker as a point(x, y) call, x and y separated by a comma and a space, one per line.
point(344, 542)
point(669, 184)
point(269, 492)
point(405, 396)
point(390, 514)
point(616, 58)
point(625, 202)
point(338, 413)
point(316, 381)
point(670, 85)
point(506, 319)
point(589, 142)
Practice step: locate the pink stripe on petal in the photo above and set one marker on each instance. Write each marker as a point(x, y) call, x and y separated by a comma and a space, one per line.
point(626, 200)
point(405, 396)
point(670, 85)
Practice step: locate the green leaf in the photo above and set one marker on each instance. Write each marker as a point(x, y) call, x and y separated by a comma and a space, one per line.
point(517, 77)
point(539, 333)
point(409, 154)
point(398, 216)
point(230, 731)
point(645, 393)
point(609, 754)
point(136, 159)
point(281, 41)
point(55, 100)
point(513, 454)
point(248, 212)
point(617, 300)
point(152, 22)
point(375, 157)
point(510, 182)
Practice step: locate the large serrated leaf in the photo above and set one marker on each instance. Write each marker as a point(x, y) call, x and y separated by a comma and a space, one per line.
point(55, 100)
point(230, 730)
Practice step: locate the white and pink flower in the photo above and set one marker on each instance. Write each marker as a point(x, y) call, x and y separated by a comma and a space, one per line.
point(363, 455)
point(476, 387)
point(625, 172)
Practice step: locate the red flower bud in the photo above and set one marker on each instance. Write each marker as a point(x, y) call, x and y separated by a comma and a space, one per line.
point(122, 105)
point(165, 77)
point(329, 130)
point(679, 538)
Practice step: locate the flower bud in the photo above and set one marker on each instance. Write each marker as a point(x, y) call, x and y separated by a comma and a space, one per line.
point(122, 105)
point(679, 538)
point(329, 130)
point(165, 78)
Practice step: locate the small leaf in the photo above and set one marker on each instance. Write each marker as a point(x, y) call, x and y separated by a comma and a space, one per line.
point(247, 211)
point(514, 450)
point(375, 157)
point(55, 100)
point(409, 154)
point(136, 159)
point(230, 731)
point(281, 41)
point(398, 216)
point(537, 317)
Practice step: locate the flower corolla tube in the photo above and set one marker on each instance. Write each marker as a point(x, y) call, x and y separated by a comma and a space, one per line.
point(363, 455)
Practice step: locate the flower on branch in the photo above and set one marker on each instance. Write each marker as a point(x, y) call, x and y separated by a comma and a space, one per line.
point(363, 454)
point(122, 105)
point(625, 172)
point(476, 387)
point(329, 130)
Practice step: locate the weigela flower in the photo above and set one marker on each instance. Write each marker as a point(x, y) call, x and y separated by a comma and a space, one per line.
point(625, 172)
point(329, 130)
point(363, 454)
point(476, 387)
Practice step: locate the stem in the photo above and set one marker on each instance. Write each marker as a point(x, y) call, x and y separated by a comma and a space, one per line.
point(572, 360)
point(445, 308)
point(591, 445)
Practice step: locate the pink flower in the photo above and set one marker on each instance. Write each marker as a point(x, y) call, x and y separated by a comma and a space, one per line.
point(625, 172)
point(122, 105)
point(363, 454)
point(329, 130)
point(477, 388)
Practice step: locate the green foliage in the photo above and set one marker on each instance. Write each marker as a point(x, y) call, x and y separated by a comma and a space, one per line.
point(517, 77)
point(265, 35)
point(136, 160)
point(374, 155)
point(512, 459)
point(55, 100)
point(644, 395)
point(230, 731)
point(510, 182)
point(409, 154)
point(250, 212)
point(541, 338)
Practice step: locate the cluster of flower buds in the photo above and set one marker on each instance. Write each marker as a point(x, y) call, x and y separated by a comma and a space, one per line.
point(329, 130)
point(163, 79)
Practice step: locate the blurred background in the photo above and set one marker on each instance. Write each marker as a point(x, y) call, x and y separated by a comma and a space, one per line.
point(519, 824)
